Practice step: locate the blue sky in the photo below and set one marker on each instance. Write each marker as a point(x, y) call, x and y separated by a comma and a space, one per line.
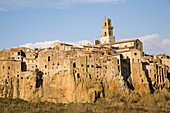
point(23, 21)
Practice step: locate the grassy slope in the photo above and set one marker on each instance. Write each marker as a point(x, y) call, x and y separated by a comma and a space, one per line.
point(115, 103)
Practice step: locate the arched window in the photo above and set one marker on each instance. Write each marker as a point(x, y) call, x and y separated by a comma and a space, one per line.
point(105, 33)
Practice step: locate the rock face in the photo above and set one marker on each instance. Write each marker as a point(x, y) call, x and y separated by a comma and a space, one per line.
point(62, 89)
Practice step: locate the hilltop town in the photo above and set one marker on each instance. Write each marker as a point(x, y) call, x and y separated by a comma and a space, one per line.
point(66, 73)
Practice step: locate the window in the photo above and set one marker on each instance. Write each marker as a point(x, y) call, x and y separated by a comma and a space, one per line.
point(109, 23)
point(89, 76)
point(105, 24)
point(155, 76)
point(105, 33)
point(118, 61)
point(132, 60)
point(45, 66)
point(138, 60)
point(135, 54)
point(110, 33)
point(48, 58)
point(74, 65)
point(78, 75)
point(58, 63)
point(8, 67)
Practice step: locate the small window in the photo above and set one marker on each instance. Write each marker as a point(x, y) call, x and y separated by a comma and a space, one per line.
point(109, 23)
point(132, 60)
point(45, 66)
point(8, 67)
point(110, 33)
point(48, 58)
point(118, 61)
point(78, 75)
point(74, 65)
point(58, 63)
point(105, 33)
point(135, 54)
point(3, 67)
point(89, 76)
point(138, 60)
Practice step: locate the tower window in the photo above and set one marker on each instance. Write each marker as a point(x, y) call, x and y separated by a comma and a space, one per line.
point(109, 22)
point(110, 33)
point(105, 33)
point(105, 24)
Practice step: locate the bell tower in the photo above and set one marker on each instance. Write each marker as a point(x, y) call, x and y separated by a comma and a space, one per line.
point(107, 32)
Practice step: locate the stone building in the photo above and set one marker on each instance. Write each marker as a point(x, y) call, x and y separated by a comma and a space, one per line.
point(67, 73)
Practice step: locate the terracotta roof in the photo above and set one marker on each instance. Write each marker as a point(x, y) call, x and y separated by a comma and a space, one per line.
point(75, 47)
point(7, 60)
point(10, 60)
point(30, 58)
point(15, 49)
point(124, 41)
point(87, 52)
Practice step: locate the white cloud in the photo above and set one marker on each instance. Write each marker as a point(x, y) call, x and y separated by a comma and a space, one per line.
point(14, 4)
point(47, 44)
point(153, 44)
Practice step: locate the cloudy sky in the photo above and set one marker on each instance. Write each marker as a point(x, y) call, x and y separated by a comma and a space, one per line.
point(41, 22)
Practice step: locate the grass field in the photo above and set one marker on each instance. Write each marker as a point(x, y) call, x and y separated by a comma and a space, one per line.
point(117, 103)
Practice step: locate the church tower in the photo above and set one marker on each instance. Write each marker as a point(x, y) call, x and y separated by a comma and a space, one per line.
point(107, 32)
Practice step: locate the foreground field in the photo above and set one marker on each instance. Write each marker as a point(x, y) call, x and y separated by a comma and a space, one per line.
point(155, 103)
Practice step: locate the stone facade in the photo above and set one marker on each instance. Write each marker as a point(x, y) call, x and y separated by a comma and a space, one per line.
point(66, 73)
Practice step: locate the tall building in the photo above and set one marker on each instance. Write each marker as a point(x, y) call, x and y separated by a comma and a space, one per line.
point(107, 32)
